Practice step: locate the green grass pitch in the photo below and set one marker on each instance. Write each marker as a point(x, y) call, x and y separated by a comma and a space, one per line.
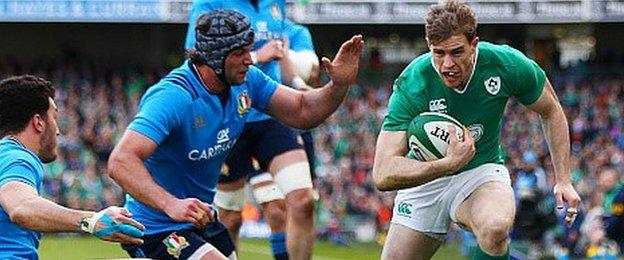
point(82, 247)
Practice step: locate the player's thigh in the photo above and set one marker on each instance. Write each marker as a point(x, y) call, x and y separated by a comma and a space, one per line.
point(182, 244)
point(264, 189)
point(217, 235)
point(491, 203)
point(405, 243)
point(278, 146)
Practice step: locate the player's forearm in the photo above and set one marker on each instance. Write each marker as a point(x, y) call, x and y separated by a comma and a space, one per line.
point(558, 138)
point(288, 72)
point(40, 214)
point(130, 173)
point(319, 104)
point(400, 172)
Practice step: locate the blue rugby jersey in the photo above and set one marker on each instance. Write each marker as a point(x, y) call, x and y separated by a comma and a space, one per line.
point(18, 164)
point(299, 37)
point(194, 131)
point(268, 22)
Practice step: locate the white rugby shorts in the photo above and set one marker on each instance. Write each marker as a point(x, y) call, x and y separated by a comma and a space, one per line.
point(430, 208)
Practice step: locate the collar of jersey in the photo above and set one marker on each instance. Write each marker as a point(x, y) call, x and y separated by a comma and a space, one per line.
point(474, 66)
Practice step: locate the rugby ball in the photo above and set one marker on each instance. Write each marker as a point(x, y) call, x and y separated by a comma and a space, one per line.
point(428, 135)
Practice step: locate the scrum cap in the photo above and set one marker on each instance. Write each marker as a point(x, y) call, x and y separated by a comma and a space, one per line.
point(217, 34)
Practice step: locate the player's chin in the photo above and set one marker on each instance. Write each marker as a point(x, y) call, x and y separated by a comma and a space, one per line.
point(239, 78)
point(453, 84)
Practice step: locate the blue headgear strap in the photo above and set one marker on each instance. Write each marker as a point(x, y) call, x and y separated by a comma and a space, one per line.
point(217, 34)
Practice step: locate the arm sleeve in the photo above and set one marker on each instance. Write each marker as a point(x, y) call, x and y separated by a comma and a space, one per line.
point(261, 88)
point(400, 111)
point(161, 110)
point(528, 79)
point(21, 170)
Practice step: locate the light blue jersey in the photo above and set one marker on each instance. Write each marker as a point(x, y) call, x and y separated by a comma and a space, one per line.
point(195, 130)
point(18, 164)
point(267, 22)
point(299, 37)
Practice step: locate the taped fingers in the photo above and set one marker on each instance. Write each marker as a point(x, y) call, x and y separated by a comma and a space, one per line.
point(130, 230)
point(571, 214)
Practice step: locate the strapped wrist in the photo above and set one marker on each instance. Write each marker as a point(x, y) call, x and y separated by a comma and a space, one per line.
point(87, 223)
point(298, 82)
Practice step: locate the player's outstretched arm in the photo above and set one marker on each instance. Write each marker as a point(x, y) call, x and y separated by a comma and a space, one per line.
point(393, 171)
point(126, 167)
point(558, 138)
point(30, 211)
point(308, 109)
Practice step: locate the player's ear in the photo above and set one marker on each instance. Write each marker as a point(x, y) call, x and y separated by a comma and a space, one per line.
point(474, 42)
point(38, 123)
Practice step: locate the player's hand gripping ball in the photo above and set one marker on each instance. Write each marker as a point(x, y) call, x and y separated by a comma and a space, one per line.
point(428, 135)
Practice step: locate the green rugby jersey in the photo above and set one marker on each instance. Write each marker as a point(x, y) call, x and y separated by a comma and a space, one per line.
point(500, 72)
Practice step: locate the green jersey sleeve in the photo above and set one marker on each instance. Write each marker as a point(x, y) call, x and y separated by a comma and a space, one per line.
point(400, 111)
point(528, 79)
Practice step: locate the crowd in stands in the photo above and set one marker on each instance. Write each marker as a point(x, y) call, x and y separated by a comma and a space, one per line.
point(96, 104)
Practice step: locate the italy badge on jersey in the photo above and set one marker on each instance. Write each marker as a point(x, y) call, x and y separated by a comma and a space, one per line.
point(244, 103)
point(492, 85)
point(175, 244)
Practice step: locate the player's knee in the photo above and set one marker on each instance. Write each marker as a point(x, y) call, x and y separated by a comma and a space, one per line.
point(493, 235)
point(231, 219)
point(275, 212)
point(301, 203)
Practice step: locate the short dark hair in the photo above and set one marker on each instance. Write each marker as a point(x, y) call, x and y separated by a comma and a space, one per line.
point(450, 18)
point(22, 97)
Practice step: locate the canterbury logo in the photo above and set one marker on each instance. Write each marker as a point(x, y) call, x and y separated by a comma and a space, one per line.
point(404, 209)
point(437, 105)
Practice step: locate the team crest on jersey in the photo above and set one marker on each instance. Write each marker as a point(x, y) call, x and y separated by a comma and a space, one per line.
point(175, 244)
point(244, 103)
point(276, 12)
point(199, 122)
point(492, 85)
point(225, 170)
point(476, 130)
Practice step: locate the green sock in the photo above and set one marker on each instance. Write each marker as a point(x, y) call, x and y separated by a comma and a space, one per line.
point(479, 254)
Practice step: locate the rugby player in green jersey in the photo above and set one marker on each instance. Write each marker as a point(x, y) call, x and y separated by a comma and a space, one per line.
point(470, 81)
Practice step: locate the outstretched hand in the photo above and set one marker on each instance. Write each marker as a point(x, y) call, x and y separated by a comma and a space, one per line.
point(344, 68)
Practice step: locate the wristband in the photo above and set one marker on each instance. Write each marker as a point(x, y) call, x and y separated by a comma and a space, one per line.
point(298, 82)
point(87, 224)
point(254, 58)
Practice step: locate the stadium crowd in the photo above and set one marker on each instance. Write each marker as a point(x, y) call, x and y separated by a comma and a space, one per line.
point(96, 104)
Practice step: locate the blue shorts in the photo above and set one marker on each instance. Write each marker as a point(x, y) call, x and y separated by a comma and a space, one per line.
point(182, 244)
point(308, 145)
point(261, 140)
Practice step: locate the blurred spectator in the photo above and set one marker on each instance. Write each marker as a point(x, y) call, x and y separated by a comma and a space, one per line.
point(613, 205)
